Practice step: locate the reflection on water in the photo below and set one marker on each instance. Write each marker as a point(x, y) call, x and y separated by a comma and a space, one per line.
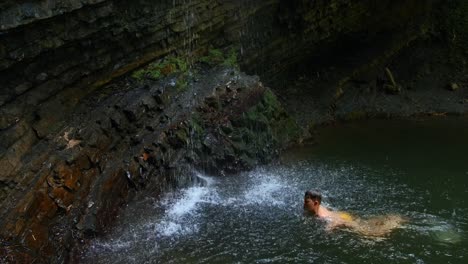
point(257, 217)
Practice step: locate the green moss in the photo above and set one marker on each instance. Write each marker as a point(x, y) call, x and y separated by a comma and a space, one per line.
point(182, 83)
point(256, 117)
point(286, 130)
point(179, 63)
point(251, 138)
point(270, 123)
point(196, 124)
point(214, 57)
point(182, 135)
point(270, 100)
point(155, 74)
point(218, 57)
point(231, 59)
point(139, 74)
point(162, 68)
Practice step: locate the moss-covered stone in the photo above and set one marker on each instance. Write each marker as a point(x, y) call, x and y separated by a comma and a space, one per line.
point(241, 127)
point(226, 57)
point(162, 68)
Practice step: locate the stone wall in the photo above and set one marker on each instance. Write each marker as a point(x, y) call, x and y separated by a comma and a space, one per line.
point(54, 53)
point(49, 63)
point(303, 29)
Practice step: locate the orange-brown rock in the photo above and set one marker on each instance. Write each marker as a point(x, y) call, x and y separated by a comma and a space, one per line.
point(72, 180)
point(87, 178)
point(62, 197)
point(46, 207)
point(36, 236)
point(83, 162)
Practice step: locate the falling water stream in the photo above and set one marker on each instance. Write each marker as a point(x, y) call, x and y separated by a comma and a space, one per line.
point(418, 169)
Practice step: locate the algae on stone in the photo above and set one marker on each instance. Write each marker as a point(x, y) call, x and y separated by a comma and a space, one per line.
point(162, 68)
point(226, 58)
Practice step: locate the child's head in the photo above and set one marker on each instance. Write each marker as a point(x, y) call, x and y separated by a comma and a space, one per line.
point(312, 201)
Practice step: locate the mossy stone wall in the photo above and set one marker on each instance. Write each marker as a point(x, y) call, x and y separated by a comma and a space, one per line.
point(55, 53)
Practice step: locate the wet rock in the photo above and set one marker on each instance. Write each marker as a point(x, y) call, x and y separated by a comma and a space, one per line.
point(181, 25)
point(37, 236)
point(62, 197)
point(148, 102)
point(94, 137)
point(227, 128)
point(158, 95)
point(82, 162)
point(72, 180)
point(117, 156)
point(213, 102)
point(392, 89)
point(247, 162)
point(209, 142)
point(42, 77)
point(178, 138)
point(21, 88)
point(453, 87)
point(88, 224)
point(46, 207)
point(43, 91)
point(117, 121)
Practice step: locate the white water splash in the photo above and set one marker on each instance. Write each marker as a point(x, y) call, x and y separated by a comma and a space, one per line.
point(264, 193)
point(266, 189)
point(208, 180)
point(188, 203)
point(112, 246)
point(175, 221)
point(170, 228)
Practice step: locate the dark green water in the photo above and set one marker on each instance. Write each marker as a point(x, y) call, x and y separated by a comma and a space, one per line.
point(413, 168)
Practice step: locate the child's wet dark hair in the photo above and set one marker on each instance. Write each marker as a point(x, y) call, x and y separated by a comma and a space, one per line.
point(314, 196)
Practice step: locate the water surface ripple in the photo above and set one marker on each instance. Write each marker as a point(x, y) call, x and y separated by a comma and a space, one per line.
point(257, 216)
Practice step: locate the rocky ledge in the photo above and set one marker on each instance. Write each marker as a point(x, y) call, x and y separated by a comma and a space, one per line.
point(136, 135)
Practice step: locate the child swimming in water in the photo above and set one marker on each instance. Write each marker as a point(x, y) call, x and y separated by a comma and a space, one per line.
point(377, 226)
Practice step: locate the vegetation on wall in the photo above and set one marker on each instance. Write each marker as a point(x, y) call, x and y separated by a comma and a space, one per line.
point(218, 57)
point(182, 69)
point(162, 68)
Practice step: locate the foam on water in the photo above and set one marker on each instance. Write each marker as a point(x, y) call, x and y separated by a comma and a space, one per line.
point(186, 206)
point(114, 246)
point(179, 217)
point(266, 188)
point(188, 203)
point(183, 214)
point(443, 231)
point(170, 228)
point(267, 191)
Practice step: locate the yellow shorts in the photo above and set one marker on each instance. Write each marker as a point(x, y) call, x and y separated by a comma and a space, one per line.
point(345, 216)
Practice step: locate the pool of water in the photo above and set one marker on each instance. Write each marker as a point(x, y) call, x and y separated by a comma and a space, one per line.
point(417, 169)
